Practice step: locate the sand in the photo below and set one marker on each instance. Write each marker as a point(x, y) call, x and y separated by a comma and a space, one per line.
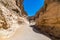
point(27, 33)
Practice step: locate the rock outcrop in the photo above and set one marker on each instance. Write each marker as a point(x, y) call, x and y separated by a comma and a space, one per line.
point(3, 23)
point(10, 21)
point(19, 3)
point(48, 19)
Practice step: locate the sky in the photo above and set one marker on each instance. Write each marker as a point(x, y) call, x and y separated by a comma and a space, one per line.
point(32, 6)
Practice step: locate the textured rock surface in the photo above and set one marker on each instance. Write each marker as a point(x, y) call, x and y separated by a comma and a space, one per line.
point(9, 18)
point(3, 23)
point(48, 18)
point(19, 27)
point(20, 5)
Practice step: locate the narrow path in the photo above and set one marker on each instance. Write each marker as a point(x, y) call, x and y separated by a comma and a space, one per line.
point(26, 33)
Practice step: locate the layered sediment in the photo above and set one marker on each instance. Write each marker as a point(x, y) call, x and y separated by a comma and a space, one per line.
point(48, 18)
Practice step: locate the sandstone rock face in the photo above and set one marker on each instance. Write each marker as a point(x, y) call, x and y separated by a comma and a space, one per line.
point(20, 5)
point(48, 20)
point(10, 21)
point(3, 23)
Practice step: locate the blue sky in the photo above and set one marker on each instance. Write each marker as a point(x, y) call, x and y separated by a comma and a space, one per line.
point(32, 6)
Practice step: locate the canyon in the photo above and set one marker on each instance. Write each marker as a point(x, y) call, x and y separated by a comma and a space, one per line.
point(16, 24)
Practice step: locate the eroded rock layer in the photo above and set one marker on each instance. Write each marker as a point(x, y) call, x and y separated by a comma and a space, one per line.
point(10, 20)
point(48, 18)
point(19, 3)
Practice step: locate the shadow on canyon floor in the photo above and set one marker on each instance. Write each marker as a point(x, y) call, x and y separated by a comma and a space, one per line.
point(40, 32)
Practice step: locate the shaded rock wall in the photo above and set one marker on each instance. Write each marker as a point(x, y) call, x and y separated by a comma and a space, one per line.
point(48, 18)
point(19, 3)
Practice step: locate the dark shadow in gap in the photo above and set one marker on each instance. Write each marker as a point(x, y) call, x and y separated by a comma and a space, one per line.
point(37, 30)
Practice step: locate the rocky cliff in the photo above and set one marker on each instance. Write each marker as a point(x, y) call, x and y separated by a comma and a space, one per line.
point(19, 3)
point(12, 16)
point(48, 19)
point(10, 19)
point(13, 26)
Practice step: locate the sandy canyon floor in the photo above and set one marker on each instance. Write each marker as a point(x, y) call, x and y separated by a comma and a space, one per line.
point(25, 32)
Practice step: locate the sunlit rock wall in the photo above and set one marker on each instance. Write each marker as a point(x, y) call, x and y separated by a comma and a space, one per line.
point(10, 18)
point(19, 3)
point(48, 18)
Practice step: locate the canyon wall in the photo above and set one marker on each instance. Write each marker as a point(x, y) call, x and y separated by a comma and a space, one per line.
point(19, 3)
point(48, 19)
point(10, 20)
